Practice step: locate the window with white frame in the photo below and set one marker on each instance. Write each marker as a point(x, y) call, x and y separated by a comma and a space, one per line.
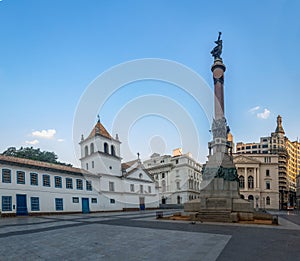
point(35, 203)
point(132, 187)
point(20, 177)
point(69, 183)
point(241, 182)
point(163, 185)
point(46, 180)
point(34, 179)
point(79, 184)
point(89, 185)
point(6, 203)
point(59, 204)
point(6, 176)
point(111, 186)
point(250, 182)
point(58, 182)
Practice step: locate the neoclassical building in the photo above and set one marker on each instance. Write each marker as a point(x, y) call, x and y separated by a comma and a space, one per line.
point(288, 159)
point(258, 179)
point(34, 187)
point(178, 176)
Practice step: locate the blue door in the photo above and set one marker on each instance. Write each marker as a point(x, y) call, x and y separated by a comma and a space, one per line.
point(85, 205)
point(21, 205)
point(142, 203)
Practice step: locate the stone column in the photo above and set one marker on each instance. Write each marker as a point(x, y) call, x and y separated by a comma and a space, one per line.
point(246, 179)
point(218, 69)
point(258, 177)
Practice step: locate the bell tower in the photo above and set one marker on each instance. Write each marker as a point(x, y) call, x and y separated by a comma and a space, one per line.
point(100, 152)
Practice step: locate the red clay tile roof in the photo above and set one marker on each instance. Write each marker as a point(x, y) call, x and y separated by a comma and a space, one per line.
point(128, 164)
point(41, 164)
point(99, 129)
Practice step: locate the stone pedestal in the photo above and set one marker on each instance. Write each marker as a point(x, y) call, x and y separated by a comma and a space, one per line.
point(220, 201)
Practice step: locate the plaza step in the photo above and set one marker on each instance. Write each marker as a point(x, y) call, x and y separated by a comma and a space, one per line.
point(213, 216)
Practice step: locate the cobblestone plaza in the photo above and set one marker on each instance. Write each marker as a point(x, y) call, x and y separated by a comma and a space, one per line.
point(140, 236)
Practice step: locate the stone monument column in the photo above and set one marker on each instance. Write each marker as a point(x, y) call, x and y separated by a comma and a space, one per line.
point(220, 197)
point(218, 69)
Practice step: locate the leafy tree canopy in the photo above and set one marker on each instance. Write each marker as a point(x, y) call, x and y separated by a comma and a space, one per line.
point(33, 154)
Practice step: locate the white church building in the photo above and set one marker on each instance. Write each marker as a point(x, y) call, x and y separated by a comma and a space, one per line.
point(102, 184)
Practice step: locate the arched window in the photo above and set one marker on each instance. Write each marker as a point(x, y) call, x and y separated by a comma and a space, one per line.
point(268, 201)
point(86, 151)
point(92, 148)
point(112, 150)
point(106, 148)
point(250, 197)
point(163, 184)
point(250, 182)
point(242, 197)
point(242, 182)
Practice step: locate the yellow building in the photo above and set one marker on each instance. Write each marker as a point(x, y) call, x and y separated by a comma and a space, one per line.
point(293, 166)
point(288, 159)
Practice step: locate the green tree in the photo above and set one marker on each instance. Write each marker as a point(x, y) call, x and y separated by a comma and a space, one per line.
point(33, 154)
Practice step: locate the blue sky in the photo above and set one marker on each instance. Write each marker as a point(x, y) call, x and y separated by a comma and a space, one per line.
point(50, 51)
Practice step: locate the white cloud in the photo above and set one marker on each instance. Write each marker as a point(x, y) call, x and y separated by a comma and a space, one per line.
point(263, 115)
point(254, 109)
point(60, 140)
point(32, 142)
point(46, 134)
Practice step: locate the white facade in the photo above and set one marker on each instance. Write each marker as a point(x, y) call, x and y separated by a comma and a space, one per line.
point(29, 187)
point(258, 175)
point(178, 177)
point(100, 155)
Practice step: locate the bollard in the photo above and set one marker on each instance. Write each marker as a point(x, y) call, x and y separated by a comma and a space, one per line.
point(159, 214)
point(275, 220)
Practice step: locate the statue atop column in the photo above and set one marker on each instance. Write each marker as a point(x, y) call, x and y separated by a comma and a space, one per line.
point(217, 51)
